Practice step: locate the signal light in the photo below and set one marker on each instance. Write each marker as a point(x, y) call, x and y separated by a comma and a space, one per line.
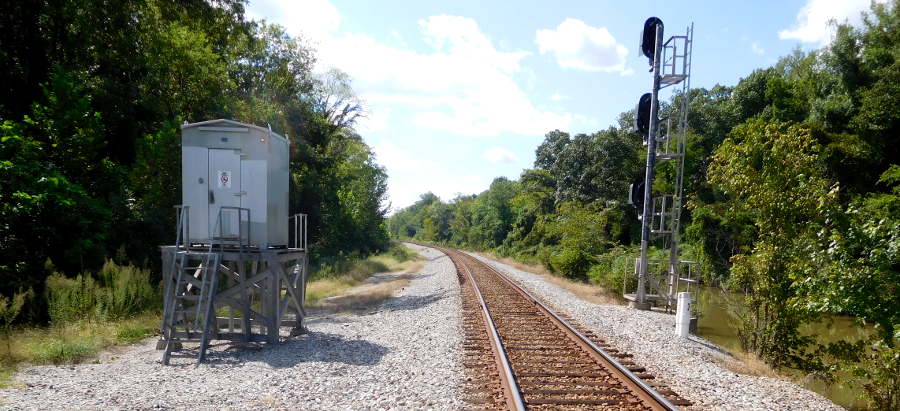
point(642, 115)
point(648, 37)
point(636, 193)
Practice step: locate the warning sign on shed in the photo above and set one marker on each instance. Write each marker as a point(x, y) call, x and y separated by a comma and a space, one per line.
point(224, 179)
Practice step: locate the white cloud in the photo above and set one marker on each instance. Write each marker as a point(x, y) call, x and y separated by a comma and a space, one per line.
point(756, 49)
point(397, 36)
point(465, 86)
point(585, 120)
point(500, 155)
point(580, 46)
point(473, 177)
point(393, 158)
point(627, 72)
point(812, 21)
point(557, 96)
point(376, 120)
point(313, 18)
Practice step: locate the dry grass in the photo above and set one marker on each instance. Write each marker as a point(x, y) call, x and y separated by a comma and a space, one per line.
point(588, 292)
point(369, 294)
point(354, 291)
point(331, 285)
point(745, 363)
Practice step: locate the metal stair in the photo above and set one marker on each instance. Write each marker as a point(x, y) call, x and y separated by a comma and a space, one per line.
point(191, 304)
point(190, 301)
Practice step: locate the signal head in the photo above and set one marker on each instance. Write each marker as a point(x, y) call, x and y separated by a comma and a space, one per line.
point(642, 114)
point(648, 37)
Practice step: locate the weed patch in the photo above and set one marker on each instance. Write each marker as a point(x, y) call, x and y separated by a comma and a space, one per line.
point(740, 362)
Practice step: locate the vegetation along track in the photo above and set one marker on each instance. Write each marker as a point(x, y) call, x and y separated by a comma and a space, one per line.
point(520, 355)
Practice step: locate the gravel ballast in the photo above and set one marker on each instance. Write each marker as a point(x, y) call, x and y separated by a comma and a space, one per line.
point(402, 355)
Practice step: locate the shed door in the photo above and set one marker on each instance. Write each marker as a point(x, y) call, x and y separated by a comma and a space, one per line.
point(224, 187)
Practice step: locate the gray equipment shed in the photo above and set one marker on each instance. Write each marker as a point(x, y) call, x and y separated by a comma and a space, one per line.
point(228, 166)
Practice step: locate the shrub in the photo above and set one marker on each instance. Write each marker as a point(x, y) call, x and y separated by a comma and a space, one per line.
point(400, 252)
point(70, 300)
point(9, 310)
point(878, 374)
point(609, 270)
point(124, 291)
point(572, 263)
point(121, 291)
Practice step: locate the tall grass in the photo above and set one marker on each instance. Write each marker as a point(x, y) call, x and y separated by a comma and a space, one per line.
point(117, 293)
point(88, 314)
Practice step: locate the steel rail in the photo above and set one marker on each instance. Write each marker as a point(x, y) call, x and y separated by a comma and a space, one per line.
point(514, 400)
point(638, 386)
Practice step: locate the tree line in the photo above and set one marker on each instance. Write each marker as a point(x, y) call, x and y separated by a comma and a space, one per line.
point(792, 189)
point(91, 99)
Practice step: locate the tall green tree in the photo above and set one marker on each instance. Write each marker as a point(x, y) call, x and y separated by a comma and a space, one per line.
point(773, 173)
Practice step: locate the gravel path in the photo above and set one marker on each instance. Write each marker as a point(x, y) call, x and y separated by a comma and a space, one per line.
point(691, 365)
point(376, 361)
point(380, 360)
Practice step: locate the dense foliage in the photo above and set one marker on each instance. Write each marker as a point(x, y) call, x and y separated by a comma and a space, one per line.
point(92, 94)
point(793, 189)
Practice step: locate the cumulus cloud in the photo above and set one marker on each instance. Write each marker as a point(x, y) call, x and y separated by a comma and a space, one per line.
point(500, 155)
point(464, 86)
point(756, 49)
point(393, 158)
point(585, 120)
point(580, 46)
point(812, 21)
point(313, 18)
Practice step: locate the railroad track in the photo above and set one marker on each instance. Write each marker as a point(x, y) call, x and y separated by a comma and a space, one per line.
point(520, 355)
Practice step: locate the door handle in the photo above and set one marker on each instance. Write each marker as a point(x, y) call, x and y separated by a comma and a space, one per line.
point(241, 193)
point(212, 197)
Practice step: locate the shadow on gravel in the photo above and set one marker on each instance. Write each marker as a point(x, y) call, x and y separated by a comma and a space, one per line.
point(711, 346)
point(412, 302)
point(312, 347)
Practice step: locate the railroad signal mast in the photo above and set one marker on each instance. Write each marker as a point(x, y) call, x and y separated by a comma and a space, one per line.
point(661, 279)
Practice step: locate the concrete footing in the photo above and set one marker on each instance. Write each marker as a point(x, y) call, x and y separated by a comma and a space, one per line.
point(640, 306)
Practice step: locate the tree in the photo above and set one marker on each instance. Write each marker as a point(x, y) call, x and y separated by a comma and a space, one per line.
point(596, 167)
point(773, 173)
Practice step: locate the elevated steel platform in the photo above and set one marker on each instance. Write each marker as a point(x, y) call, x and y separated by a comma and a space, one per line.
point(248, 296)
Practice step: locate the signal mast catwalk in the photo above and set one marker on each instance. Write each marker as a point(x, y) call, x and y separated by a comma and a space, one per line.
point(658, 279)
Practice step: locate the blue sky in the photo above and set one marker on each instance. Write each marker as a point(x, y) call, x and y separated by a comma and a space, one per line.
point(461, 92)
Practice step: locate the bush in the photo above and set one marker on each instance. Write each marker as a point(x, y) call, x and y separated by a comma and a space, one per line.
point(878, 374)
point(121, 291)
point(9, 310)
point(572, 263)
point(400, 252)
point(70, 300)
point(609, 270)
point(124, 291)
